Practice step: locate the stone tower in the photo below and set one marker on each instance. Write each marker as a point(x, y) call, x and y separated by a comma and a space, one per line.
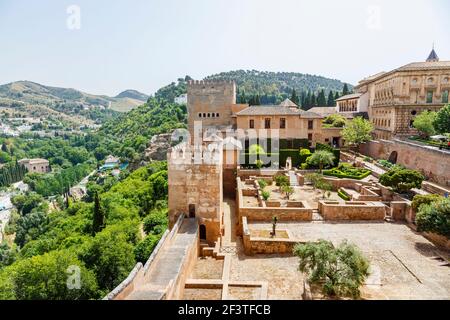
point(211, 103)
point(195, 187)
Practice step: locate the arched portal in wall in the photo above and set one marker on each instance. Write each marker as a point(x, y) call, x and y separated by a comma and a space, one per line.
point(202, 232)
point(393, 157)
point(192, 211)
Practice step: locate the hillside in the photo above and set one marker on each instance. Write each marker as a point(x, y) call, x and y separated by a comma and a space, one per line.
point(132, 94)
point(272, 87)
point(135, 128)
point(27, 96)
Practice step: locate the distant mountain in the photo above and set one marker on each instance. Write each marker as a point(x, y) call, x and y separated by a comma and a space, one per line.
point(38, 100)
point(133, 94)
point(272, 87)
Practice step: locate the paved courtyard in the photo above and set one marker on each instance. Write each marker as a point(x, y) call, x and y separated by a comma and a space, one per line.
point(404, 264)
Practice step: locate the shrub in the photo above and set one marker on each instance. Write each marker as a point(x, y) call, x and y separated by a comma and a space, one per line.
point(256, 149)
point(343, 195)
point(304, 154)
point(385, 163)
point(339, 271)
point(281, 180)
point(435, 217)
point(335, 120)
point(287, 190)
point(321, 158)
point(265, 195)
point(402, 180)
point(420, 199)
point(334, 151)
point(347, 171)
point(258, 164)
point(262, 184)
point(314, 178)
point(368, 159)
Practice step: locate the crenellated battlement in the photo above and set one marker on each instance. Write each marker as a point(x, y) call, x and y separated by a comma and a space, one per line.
point(211, 154)
point(194, 83)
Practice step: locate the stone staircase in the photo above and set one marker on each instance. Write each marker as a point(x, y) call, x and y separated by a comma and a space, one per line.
point(316, 216)
point(168, 264)
point(293, 179)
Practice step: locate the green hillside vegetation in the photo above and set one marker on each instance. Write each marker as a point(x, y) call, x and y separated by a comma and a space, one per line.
point(262, 87)
point(29, 96)
point(50, 242)
point(133, 94)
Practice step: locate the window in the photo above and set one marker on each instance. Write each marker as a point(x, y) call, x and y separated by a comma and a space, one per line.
point(283, 123)
point(267, 123)
point(445, 96)
point(310, 136)
point(204, 115)
point(199, 115)
point(252, 124)
point(217, 115)
point(414, 112)
point(213, 115)
point(429, 96)
point(310, 124)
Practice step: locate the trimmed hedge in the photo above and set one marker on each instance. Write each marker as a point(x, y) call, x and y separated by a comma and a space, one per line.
point(346, 171)
point(343, 195)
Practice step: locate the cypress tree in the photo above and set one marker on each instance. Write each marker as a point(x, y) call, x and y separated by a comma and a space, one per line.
point(313, 100)
point(330, 100)
point(98, 222)
point(321, 100)
point(336, 96)
point(257, 100)
point(345, 90)
point(308, 100)
point(294, 97)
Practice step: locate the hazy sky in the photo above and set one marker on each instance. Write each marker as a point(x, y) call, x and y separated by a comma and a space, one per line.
point(146, 44)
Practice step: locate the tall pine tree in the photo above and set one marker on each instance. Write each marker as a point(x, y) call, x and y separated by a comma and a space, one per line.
point(345, 90)
point(330, 100)
point(98, 222)
point(321, 100)
point(294, 97)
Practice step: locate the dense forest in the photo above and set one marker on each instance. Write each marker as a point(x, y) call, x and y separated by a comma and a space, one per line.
point(261, 87)
point(102, 239)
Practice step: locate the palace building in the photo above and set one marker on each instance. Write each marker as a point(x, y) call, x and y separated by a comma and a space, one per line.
point(393, 99)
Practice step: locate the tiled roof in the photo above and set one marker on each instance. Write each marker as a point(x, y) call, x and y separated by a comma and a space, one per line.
point(350, 96)
point(425, 65)
point(276, 110)
point(323, 110)
point(288, 103)
point(414, 66)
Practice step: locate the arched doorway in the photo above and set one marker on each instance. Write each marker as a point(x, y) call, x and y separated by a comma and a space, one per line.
point(393, 157)
point(202, 232)
point(192, 211)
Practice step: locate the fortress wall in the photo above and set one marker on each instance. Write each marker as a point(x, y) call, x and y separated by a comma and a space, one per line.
point(433, 163)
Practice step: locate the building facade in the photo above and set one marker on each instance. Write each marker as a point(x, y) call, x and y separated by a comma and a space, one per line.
point(36, 165)
point(393, 99)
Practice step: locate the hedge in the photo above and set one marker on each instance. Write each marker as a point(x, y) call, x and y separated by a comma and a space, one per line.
point(339, 174)
point(343, 195)
point(335, 152)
